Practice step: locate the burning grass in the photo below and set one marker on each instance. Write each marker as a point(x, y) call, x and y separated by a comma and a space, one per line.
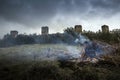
point(106, 69)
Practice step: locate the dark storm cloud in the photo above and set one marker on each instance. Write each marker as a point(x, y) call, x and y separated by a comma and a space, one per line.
point(107, 7)
point(27, 11)
point(106, 4)
point(104, 7)
point(73, 6)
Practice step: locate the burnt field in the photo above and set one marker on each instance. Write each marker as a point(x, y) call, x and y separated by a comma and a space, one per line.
point(25, 63)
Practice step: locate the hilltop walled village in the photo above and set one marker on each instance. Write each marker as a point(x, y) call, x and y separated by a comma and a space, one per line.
point(45, 30)
point(67, 37)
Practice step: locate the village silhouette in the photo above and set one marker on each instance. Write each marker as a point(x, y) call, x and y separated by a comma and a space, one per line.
point(67, 37)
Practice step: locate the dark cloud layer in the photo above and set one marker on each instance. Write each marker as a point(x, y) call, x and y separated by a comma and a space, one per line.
point(38, 12)
point(24, 11)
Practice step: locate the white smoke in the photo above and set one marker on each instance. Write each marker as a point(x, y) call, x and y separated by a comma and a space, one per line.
point(81, 39)
point(55, 51)
point(42, 52)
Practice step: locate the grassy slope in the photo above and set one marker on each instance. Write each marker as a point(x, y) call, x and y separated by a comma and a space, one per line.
point(56, 70)
point(28, 52)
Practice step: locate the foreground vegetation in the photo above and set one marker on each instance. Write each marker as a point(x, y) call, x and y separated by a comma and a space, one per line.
point(109, 69)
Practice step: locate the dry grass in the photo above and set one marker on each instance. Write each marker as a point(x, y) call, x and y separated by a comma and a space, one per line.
point(107, 69)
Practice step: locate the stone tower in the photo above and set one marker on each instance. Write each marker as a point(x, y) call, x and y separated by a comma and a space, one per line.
point(44, 30)
point(105, 29)
point(78, 28)
point(14, 33)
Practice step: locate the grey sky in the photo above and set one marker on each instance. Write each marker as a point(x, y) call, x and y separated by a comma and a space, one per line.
point(29, 15)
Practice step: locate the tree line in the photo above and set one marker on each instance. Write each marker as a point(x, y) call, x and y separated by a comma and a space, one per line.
point(67, 37)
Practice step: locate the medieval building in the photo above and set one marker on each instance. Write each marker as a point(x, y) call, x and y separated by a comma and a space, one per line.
point(14, 33)
point(44, 30)
point(105, 29)
point(78, 28)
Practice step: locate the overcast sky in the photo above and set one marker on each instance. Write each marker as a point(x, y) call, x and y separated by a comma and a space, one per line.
point(28, 16)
